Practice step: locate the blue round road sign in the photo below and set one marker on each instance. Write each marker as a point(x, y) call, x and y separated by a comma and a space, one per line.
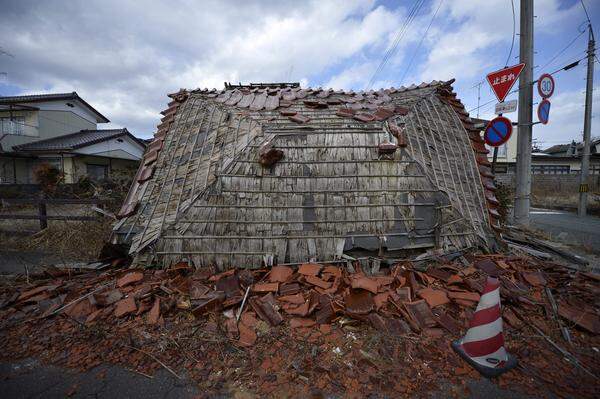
point(543, 111)
point(497, 131)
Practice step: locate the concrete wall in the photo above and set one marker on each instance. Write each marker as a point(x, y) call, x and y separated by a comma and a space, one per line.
point(554, 184)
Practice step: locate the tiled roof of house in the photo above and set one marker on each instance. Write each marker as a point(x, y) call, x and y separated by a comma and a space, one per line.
point(211, 153)
point(74, 140)
point(52, 97)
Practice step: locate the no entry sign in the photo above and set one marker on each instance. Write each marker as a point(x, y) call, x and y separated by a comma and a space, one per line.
point(497, 131)
point(545, 85)
point(543, 111)
point(503, 80)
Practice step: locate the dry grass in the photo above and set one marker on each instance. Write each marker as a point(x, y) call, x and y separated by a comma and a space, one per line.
point(70, 240)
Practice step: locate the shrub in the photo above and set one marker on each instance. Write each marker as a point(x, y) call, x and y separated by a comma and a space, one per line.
point(48, 177)
point(504, 194)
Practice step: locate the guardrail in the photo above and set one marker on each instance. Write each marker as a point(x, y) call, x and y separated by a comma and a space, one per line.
point(42, 214)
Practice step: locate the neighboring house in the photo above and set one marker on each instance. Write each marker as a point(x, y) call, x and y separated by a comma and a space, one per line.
point(566, 158)
point(62, 130)
point(285, 174)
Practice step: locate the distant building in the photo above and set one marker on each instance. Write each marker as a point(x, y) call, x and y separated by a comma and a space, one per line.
point(566, 158)
point(61, 130)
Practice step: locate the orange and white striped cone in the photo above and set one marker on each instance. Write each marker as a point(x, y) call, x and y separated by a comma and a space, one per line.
point(483, 344)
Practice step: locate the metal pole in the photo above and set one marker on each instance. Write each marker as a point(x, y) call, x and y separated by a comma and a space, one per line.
point(587, 128)
point(523, 180)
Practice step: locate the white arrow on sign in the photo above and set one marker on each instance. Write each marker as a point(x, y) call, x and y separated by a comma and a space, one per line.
point(506, 107)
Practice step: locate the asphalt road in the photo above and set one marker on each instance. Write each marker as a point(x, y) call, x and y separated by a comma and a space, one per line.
point(567, 227)
point(28, 379)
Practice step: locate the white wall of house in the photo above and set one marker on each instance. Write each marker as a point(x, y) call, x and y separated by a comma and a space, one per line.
point(63, 106)
point(121, 148)
point(54, 118)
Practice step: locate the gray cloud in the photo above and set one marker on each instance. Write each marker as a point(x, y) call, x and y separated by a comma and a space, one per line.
point(124, 57)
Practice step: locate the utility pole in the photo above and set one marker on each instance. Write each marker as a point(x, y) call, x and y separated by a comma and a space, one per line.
point(523, 181)
point(587, 127)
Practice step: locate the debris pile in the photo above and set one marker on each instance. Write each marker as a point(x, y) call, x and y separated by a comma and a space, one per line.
point(307, 328)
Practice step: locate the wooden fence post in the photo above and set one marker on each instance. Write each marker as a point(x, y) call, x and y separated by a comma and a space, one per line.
point(42, 212)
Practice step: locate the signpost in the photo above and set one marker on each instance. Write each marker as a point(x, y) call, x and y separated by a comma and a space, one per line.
point(503, 80)
point(506, 107)
point(545, 85)
point(543, 111)
point(497, 131)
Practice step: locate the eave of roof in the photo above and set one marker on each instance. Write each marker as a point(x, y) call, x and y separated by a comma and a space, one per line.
point(53, 97)
point(54, 144)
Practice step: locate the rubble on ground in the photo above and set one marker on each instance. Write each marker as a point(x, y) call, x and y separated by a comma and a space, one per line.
point(311, 329)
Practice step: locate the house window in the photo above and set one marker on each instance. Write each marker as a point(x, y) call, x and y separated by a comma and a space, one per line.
point(595, 169)
point(97, 172)
point(16, 125)
point(551, 169)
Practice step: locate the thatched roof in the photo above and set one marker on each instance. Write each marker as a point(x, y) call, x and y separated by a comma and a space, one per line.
point(238, 175)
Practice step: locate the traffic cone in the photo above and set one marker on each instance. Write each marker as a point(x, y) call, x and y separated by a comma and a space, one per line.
point(483, 345)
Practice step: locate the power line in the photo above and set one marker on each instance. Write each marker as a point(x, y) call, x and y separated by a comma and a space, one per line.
point(586, 13)
point(390, 52)
point(512, 44)
point(420, 43)
point(563, 50)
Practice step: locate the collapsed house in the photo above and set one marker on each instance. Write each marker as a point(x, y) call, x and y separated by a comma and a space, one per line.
point(273, 173)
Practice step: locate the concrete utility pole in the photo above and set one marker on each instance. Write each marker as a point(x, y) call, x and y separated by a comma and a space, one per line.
point(587, 128)
point(523, 182)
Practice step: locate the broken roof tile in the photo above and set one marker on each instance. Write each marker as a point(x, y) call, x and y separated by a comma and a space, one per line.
point(299, 118)
point(280, 274)
point(265, 308)
point(362, 117)
point(359, 302)
point(535, 278)
point(420, 313)
point(259, 102)
point(289, 289)
point(433, 297)
point(298, 322)
point(272, 102)
point(125, 307)
point(265, 287)
point(464, 295)
point(298, 299)
point(130, 278)
point(309, 269)
point(345, 112)
point(246, 100)
point(235, 98)
point(316, 281)
point(364, 282)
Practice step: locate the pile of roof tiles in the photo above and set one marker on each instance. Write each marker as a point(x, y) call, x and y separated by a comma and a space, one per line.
point(306, 329)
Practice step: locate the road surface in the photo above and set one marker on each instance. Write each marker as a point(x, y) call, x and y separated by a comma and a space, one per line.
point(568, 228)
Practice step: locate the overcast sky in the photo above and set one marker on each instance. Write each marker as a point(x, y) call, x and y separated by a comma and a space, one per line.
point(123, 57)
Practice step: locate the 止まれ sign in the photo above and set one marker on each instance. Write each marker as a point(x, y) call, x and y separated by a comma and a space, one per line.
point(497, 131)
point(503, 80)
